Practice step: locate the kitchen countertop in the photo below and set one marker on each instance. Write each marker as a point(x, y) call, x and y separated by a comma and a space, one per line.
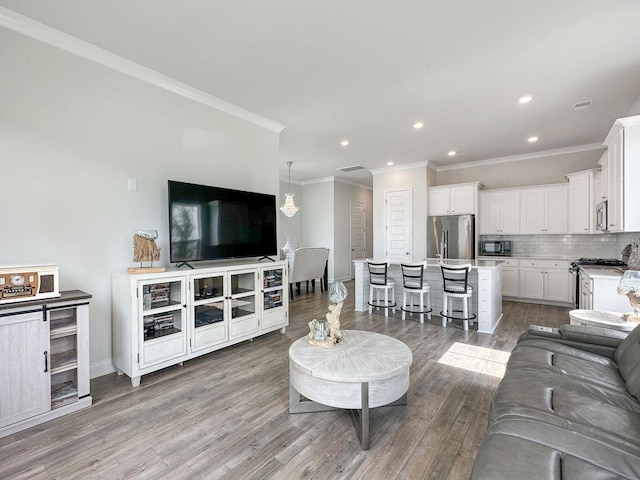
point(602, 272)
point(435, 262)
point(528, 257)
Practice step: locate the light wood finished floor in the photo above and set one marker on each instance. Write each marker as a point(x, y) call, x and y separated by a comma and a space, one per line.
point(225, 415)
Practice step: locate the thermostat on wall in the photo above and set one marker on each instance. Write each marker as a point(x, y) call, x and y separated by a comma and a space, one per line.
point(29, 282)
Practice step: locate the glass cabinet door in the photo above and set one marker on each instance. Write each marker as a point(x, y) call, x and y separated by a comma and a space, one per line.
point(243, 293)
point(243, 301)
point(208, 313)
point(272, 288)
point(162, 306)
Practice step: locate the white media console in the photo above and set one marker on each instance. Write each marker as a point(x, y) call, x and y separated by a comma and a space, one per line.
point(162, 319)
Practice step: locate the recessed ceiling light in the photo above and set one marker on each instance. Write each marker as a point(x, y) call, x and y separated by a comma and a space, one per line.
point(532, 139)
point(452, 153)
point(418, 125)
point(389, 163)
point(344, 143)
point(525, 99)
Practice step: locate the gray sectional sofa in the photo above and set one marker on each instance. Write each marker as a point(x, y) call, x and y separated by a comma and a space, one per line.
point(567, 408)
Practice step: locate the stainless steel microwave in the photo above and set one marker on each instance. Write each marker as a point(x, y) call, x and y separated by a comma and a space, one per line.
point(496, 247)
point(601, 216)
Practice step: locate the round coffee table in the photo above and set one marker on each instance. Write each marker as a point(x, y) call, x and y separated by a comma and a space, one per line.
point(364, 370)
point(597, 318)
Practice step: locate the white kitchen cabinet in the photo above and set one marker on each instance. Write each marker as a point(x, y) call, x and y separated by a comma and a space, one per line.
point(623, 175)
point(44, 353)
point(547, 280)
point(162, 319)
point(601, 179)
point(499, 212)
point(510, 278)
point(544, 209)
point(582, 201)
point(457, 199)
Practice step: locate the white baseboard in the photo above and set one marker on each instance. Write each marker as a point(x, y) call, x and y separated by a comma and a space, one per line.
point(101, 368)
point(345, 279)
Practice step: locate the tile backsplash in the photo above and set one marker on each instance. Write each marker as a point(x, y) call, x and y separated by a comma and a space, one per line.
point(607, 245)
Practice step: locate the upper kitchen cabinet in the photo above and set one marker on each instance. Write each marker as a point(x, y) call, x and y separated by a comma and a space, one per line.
point(601, 179)
point(623, 175)
point(544, 209)
point(456, 199)
point(582, 200)
point(499, 212)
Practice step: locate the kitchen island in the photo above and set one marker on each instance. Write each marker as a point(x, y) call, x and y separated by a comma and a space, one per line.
point(485, 278)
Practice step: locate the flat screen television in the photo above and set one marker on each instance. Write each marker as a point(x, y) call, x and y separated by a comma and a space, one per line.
point(210, 223)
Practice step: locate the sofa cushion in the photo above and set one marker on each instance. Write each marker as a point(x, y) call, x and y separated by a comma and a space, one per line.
point(527, 450)
point(627, 356)
point(582, 407)
point(553, 357)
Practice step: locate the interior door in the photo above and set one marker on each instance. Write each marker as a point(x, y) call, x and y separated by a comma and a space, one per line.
point(358, 241)
point(398, 223)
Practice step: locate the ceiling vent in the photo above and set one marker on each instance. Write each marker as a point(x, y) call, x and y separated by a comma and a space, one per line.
point(582, 105)
point(351, 168)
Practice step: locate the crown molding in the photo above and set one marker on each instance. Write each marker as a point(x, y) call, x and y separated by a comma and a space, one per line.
point(348, 181)
point(405, 166)
point(293, 180)
point(635, 108)
point(317, 180)
point(524, 156)
point(49, 35)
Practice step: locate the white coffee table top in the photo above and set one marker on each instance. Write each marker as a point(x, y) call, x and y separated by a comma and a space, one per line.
point(598, 318)
point(359, 357)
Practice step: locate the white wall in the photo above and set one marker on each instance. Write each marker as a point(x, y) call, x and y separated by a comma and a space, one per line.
point(385, 180)
point(317, 211)
point(344, 194)
point(72, 133)
point(535, 171)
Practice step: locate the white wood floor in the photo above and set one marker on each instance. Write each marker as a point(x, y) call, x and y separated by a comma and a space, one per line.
point(225, 415)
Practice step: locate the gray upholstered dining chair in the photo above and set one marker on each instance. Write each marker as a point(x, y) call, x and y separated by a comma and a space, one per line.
point(308, 264)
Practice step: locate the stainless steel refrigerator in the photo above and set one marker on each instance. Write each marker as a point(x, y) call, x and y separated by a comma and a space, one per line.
point(451, 236)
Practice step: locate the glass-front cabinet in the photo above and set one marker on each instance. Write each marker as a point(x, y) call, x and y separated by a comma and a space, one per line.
point(164, 318)
point(163, 305)
point(273, 296)
point(243, 301)
point(208, 310)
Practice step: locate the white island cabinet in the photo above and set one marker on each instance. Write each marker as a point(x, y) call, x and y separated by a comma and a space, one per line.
point(485, 278)
point(162, 319)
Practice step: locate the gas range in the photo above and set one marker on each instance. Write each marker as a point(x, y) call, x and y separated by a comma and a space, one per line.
point(595, 262)
point(609, 262)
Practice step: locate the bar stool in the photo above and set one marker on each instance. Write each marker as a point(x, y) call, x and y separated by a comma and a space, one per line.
point(379, 282)
point(455, 284)
point(413, 284)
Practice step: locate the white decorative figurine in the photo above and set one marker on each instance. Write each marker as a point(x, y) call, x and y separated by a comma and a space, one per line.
point(327, 334)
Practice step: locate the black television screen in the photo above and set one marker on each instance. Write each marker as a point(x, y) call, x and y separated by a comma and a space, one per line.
point(208, 223)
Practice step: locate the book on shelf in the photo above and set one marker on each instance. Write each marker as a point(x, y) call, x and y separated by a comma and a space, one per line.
point(63, 393)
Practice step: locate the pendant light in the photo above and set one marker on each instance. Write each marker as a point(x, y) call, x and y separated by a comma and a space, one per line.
point(289, 208)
